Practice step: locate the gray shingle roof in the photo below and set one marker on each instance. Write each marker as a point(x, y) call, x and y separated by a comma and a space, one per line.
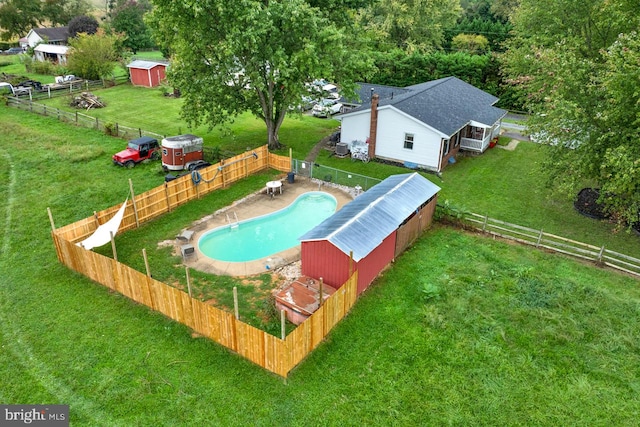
point(361, 225)
point(446, 104)
point(55, 34)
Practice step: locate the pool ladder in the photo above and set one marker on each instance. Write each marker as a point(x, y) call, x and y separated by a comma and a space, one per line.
point(233, 224)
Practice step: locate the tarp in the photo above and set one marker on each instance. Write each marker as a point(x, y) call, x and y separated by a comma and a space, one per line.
point(102, 235)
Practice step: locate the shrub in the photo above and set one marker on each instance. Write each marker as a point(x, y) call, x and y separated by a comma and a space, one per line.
point(449, 214)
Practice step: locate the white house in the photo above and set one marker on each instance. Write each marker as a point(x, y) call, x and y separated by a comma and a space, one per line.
point(54, 36)
point(50, 44)
point(422, 125)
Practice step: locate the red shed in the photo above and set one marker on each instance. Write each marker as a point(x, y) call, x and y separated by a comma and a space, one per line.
point(375, 228)
point(147, 73)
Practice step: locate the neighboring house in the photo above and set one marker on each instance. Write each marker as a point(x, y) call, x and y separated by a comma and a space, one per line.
point(24, 43)
point(49, 44)
point(423, 125)
point(147, 73)
point(51, 52)
point(52, 36)
point(369, 232)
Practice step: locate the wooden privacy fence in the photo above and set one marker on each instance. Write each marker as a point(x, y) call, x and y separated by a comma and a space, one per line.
point(270, 352)
point(540, 239)
point(165, 198)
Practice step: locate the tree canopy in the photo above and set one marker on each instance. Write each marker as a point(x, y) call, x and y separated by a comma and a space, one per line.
point(83, 24)
point(128, 19)
point(413, 26)
point(93, 56)
point(256, 56)
point(579, 78)
point(17, 17)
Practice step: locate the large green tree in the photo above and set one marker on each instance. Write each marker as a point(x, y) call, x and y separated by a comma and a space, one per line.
point(413, 25)
point(93, 56)
point(578, 77)
point(17, 17)
point(60, 12)
point(128, 19)
point(256, 56)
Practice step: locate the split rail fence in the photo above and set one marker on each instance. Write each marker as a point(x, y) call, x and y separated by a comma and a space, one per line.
point(270, 352)
point(80, 119)
point(540, 239)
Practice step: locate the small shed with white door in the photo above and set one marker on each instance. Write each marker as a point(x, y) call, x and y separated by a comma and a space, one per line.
point(147, 73)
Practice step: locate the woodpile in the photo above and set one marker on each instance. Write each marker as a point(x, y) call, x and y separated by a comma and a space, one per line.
point(87, 101)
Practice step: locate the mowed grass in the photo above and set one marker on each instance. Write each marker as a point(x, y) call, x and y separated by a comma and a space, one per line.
point(150, 110)
point(509, 186)
point(461, 330)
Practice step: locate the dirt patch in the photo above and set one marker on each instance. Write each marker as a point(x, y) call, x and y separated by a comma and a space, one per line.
point(511, 145)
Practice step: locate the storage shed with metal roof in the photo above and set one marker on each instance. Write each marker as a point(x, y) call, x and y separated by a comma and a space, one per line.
point(147, 73)
point(369, 232)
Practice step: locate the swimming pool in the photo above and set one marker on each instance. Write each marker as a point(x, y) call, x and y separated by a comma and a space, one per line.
point(266, 235)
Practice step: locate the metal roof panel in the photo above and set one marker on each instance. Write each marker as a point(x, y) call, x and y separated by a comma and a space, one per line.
point(361, 225)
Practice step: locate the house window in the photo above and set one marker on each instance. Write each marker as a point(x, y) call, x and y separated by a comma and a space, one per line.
point(445, 149)
point(408, 141)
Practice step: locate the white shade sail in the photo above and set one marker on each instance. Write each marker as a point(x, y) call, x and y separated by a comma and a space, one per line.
point(102, 235)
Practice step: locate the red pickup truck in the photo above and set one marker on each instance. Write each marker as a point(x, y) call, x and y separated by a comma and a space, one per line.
point(138, 150)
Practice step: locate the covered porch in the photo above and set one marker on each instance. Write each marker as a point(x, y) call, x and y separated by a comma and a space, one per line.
point(52, 53)
point(477, 136)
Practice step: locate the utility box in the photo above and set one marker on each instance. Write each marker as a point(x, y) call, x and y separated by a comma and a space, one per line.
point(342, 149)
point(181, 151)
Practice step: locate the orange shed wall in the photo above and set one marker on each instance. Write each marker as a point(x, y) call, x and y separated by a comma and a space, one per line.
point(322, 259)
point(157, 74)
point(139, 77)
point(370, 266)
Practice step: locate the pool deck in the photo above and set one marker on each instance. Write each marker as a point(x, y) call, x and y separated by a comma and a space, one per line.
point(254, 205)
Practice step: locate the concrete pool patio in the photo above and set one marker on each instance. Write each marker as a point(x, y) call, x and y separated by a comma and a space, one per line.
point(255, 205)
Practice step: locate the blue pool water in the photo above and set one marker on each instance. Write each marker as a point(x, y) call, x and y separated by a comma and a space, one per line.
point(266, 235)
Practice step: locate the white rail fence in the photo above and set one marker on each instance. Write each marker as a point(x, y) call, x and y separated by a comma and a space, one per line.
point(541, 239)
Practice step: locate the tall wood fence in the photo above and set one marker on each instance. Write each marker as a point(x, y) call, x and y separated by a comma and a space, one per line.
point(168, 196)
point(270, 352)
point(541, 239)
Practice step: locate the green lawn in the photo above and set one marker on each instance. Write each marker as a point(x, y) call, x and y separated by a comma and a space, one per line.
point(149, 109)
point(509, 186)
point(461, 330)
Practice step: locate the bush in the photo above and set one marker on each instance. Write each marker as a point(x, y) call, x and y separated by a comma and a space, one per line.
point(449, 214)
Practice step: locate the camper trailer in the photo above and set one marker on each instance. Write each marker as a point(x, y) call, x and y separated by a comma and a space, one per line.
point(180, 152)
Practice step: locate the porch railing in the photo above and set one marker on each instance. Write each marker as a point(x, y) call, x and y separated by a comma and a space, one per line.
point(477, 145)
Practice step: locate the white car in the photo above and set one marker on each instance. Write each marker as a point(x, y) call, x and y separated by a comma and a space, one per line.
point(326, 108)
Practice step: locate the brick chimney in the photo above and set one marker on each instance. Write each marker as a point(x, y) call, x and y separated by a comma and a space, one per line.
point(373, 128)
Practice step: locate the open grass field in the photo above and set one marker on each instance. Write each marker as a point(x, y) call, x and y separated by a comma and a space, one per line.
point(149, 109)
point(509, 186)
point(461, 330)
